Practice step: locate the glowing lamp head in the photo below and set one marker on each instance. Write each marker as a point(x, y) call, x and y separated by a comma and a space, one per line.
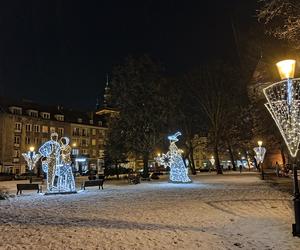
point(286, 68)
point(259, 143)
point(74, 144)
point(31, 149)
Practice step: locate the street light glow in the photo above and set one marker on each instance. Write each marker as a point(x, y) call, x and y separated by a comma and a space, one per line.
point(286, 68)
point(259, 143)
point(31, 149)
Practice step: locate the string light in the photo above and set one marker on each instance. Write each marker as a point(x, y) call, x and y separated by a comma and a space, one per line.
point(173, 159)
point(31, 159)
point(283, 105)
point(57, 162)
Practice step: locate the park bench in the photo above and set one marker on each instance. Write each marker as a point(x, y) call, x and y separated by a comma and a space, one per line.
point(21, 187)
point(91, 183)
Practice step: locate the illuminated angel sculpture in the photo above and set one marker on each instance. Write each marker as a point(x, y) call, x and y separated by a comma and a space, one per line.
point(173, 159)
point(57, 164)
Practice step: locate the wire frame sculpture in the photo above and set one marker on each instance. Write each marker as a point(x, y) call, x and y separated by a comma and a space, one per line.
point(260, 154)
point(284, 105)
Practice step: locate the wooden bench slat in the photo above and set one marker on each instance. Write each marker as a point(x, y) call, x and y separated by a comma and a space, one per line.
point(91, 183)
point(30, 186)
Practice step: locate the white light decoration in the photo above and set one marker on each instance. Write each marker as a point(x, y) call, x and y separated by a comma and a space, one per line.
point(212, 160)
point(31, 158)
point(57, 165)
point(260, 153)
point(173, 159)
point(283, 104)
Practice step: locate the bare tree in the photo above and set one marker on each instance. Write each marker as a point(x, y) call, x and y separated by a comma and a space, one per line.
point(282, 19)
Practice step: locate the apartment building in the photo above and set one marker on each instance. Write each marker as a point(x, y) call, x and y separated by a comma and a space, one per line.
point(25, 124)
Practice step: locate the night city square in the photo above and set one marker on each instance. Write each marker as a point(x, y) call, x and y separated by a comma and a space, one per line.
point(150, 124)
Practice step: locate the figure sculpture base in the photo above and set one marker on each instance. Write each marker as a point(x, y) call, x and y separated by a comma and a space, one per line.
point(180, 182)
point(60, 192)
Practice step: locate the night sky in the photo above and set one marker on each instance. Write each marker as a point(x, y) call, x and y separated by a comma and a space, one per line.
point(59, 52)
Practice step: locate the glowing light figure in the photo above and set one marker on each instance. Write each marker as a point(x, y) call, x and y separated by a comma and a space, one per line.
point(173, 159)
point(57, 165)
point(31, 159)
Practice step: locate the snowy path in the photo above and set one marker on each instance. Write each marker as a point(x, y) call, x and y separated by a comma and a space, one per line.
point(227, 212)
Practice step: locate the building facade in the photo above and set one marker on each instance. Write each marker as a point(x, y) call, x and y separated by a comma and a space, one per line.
point(24, 125)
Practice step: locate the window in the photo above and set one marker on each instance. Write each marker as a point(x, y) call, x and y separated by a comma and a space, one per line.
point(18, 127)
point(101, 153)
point(15, 110)
point(45, 129)
point(52, 129)
point(17, 140)
point(17, 153)
point(59, 117)
point(36, 128)
point(93, 131)
point(27, 140)
point(84, 151)
point(45, 115)
point(91, 121)
point(84, 133)
point(60, 131)
point(100, 123)
point(79, 120)
point(76, 131)
point(94, 152)
point(93, 142)
point(28, 127)
point(84, 142)
point(32, 113)
point(36, 140)
point(75, 151)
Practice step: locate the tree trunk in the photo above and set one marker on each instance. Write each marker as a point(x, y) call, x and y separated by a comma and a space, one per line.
point(217, 160)
point(282, 154)
point(145, 163)
point(192, 163)
point(231, 157)
point(117, 171)
point(248, 163)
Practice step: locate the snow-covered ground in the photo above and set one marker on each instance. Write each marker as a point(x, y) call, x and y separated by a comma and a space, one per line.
point(213, 212)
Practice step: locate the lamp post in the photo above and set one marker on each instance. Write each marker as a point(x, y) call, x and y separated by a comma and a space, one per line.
point(260, 155)
point(284, 106)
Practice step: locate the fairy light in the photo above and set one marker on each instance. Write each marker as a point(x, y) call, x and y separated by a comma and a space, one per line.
point(173, 159)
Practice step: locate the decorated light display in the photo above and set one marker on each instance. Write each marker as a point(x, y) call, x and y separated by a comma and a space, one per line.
point(284, 106)
point(173, 159)
point(57, 165)
point(260, 152)
point(31, 158)
point(212, 160)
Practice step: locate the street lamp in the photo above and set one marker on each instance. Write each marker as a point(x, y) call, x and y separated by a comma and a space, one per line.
point(260, 155)
point(283, 103)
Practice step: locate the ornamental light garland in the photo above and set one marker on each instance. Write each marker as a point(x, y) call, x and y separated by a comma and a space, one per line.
point(173, 159)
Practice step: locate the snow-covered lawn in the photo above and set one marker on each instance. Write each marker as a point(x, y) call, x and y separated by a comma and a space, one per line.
point(226, 212)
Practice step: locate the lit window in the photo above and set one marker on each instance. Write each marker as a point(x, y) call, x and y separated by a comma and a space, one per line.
point(59, 117)
point(94, 142)
point(93, 131)
point(45, 129)
point(45, 115)
point(17, 140)
point(60, 131)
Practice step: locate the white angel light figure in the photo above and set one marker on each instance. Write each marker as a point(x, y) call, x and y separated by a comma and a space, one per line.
point(173, 159)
